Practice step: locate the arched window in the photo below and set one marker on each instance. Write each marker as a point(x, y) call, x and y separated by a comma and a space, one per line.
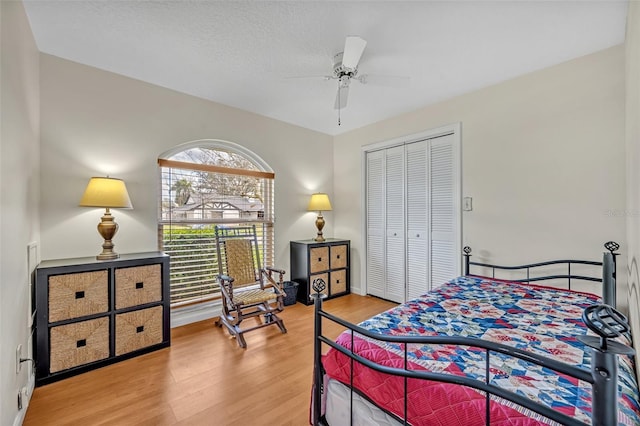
point(203, 184)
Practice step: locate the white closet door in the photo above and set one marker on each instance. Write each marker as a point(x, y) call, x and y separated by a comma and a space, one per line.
point(444, 206)
point(395, 223)
point(417, 220)
point(375, 224)
point(413, 216)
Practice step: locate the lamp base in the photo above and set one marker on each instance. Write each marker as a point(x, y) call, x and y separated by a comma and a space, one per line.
point(107, 256)
point(319, 224)
point(107, 229)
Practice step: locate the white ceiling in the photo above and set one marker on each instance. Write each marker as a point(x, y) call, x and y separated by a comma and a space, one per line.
point(240, 53)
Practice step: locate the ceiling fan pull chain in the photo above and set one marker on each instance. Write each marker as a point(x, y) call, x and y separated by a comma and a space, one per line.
point(339, 103)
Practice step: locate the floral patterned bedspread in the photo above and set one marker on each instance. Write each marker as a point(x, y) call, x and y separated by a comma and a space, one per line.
point(539, 319)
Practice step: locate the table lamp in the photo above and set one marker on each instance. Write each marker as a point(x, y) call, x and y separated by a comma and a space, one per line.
point(109, 193)
point(319, 202)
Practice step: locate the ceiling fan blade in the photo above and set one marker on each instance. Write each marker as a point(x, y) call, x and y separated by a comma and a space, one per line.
point(341, 98)
point(353, 48)
point(384, 80)
point(310, 77)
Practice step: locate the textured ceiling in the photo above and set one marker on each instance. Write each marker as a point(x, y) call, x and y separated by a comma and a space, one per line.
point(243, 53)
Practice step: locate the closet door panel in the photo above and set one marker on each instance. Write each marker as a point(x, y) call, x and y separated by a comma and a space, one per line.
point(375, 224)
point(395, 223)
point(417, 271)
point(417, 267)
point(443, 210)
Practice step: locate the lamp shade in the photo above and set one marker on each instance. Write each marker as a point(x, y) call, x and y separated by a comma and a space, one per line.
point(106, 192)
point(319, 202)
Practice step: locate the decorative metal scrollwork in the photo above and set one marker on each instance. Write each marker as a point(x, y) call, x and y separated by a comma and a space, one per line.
point(607, 323)
point(319, 285)
point(466, 249)
point(611, 246)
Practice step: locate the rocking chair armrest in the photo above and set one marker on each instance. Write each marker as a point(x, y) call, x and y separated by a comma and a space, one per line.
point(226, 288)
point(272, 269)
point(226, 278)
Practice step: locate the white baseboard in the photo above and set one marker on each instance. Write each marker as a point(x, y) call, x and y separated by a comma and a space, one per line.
point(195, 313)
point(357, 290)
point(26, 397)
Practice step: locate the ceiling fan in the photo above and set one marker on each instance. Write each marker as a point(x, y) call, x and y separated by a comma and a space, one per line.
point(345, 70)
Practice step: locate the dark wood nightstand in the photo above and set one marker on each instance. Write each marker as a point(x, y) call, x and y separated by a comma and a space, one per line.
point(329, 260)
point(90, 313)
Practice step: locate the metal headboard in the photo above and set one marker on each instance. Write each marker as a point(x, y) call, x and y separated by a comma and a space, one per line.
point(608, 265)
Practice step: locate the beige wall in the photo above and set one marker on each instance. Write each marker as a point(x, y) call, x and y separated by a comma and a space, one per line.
point(97, 123)
point(633, 163)
point(19, 163)
point(542, 157)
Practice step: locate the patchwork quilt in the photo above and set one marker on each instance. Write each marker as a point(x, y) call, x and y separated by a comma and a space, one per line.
point(539, 319)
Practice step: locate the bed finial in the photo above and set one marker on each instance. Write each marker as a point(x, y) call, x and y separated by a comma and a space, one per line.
point(467, 254)
point(319, 285)
point(612, 246)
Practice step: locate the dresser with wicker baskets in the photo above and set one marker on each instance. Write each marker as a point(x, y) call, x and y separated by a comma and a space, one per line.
point(90, 313)
point(328, 260)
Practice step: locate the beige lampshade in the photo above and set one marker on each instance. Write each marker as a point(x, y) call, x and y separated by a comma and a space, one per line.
point(319, 202)
point(106, 192)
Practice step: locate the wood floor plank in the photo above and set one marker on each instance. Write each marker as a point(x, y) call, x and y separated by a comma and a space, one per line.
point(204, 378)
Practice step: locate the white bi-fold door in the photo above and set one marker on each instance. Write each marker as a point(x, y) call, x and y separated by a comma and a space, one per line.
point(412, 217)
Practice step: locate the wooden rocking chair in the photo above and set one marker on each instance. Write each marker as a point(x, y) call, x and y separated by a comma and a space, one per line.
point(248, 290)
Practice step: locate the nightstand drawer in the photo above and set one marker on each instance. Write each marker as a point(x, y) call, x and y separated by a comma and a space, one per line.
point(138, 329)
point(338, 281)
point(319, 259)
point(76, 295)
point(138, 285)
point(339, 256)
point(79, 343)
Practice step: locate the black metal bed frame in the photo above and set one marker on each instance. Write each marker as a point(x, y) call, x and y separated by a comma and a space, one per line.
point(602, 377)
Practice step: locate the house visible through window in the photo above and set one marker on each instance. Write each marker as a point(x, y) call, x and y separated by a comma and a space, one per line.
point(203, 186)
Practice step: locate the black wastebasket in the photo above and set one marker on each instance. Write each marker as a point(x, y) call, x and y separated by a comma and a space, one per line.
point(291, 291)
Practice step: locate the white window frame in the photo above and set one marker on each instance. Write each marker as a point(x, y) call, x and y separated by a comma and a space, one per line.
point(210, 309)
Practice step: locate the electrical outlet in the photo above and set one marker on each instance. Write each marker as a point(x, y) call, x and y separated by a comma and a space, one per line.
point(18, 359)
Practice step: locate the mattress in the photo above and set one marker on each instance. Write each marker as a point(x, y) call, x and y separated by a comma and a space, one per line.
point(539, 319)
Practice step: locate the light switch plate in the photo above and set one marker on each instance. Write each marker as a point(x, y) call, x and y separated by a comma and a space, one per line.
point(467, 204)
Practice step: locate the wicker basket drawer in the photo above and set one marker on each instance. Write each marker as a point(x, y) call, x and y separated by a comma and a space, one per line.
point(339, 256)
point(319, 259)
point(325, 278)
point(138, 285)
point(338, 281)
point(77, 295)
point(78, 343)
point(138, 329)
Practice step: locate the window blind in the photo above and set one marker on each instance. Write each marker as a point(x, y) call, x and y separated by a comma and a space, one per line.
point(196, 197)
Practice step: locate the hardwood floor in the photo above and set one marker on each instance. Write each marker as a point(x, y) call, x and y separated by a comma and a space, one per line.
point(204, 378)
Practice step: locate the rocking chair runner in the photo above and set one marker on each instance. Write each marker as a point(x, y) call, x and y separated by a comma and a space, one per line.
point(248, 290)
